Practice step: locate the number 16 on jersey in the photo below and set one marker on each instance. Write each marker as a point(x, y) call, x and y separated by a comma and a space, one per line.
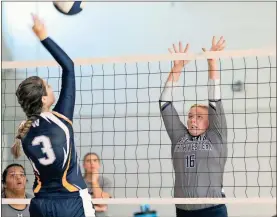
point(190, 161)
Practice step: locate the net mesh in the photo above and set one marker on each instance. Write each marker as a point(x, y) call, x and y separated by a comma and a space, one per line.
point(117, 116)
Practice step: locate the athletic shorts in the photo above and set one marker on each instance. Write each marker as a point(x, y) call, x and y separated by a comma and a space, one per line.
point(215, 211)
point(73, 204)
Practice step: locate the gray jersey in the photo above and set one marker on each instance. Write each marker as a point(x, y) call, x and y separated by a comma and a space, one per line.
point(198, 161)
point(8, 211)
point(106, 185)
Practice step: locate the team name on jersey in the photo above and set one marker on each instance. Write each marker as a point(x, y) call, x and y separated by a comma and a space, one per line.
point(35, 123)
point(186, 145)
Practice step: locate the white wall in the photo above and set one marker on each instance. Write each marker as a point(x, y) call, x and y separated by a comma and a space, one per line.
point(117, 29)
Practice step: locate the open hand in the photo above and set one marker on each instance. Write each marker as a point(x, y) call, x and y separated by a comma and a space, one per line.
point(179, 64)
point(216, 46)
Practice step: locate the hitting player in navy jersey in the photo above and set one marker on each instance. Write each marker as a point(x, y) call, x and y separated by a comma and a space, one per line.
point(48, 140)
point(199, 151)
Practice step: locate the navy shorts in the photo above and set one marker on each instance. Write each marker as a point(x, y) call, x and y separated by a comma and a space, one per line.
point(216, 211)
point(74, 204)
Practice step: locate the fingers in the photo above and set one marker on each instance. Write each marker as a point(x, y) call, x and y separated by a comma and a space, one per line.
point(220, 41)
point(34, 17)
point(175, 48)
point(36, 20)
point(218, 45)
point(213, 41)
point(222, 46)
point(180, 47)
point(186, 49)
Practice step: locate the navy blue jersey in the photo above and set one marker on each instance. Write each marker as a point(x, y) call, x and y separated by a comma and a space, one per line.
point(49, 144)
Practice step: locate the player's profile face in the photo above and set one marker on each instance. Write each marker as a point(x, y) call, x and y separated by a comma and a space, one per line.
point(16, 179)
point(91, 163)
point(50, 98)
point(198, 120)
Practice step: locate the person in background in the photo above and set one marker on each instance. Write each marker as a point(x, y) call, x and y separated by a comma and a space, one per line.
point(98, 185)
point(14, 184)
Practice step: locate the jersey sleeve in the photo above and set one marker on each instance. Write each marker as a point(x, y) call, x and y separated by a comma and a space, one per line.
point(66, 102)
point(217, 117)
point(173, 125)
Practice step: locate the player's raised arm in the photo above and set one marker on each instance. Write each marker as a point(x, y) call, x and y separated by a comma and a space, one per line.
point(66, 101)
point(175, 128)
point(217, 117)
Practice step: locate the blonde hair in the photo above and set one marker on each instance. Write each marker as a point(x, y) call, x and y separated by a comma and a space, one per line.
point(23, 129)
point(200, 106)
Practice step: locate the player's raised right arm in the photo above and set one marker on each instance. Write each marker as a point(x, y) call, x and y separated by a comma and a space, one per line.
point(174, 127)
point(66, 102)
point(217, 118)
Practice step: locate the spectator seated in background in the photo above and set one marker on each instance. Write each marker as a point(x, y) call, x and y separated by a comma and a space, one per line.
point(98, 185)
point(14, 183)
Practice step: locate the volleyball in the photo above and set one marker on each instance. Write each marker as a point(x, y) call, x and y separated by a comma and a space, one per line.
point(69, 8)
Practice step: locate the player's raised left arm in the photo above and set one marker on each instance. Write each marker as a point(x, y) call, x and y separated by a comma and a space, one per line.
point(66, 101)
point(217, 117)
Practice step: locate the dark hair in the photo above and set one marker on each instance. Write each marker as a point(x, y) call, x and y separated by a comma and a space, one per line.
point(91, 153)
point(5, 173)
point(29, 94)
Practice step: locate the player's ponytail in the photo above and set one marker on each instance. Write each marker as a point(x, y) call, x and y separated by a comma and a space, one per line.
point(16, 148)
point(29, 95)
point(22, 131)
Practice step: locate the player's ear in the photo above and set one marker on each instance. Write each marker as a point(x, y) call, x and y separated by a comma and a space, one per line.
point(43, 99)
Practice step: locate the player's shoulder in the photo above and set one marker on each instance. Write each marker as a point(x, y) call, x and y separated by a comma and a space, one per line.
point(54, 117)
point(45, 123)
point(62, 117)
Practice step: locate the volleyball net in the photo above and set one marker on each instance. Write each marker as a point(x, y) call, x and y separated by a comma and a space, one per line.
point(117, 116)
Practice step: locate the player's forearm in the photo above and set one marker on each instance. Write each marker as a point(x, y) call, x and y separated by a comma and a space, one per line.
point(214, 82)
point(66, 101)
point(171, 82)
point(214, 89)
point(213, 72)
point(98, 192)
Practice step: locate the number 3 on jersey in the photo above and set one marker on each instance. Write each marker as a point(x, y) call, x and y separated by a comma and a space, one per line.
point(190, 161)
point(46, 149)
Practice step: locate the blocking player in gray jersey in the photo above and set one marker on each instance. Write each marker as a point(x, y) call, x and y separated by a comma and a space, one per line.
point(199, 151)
